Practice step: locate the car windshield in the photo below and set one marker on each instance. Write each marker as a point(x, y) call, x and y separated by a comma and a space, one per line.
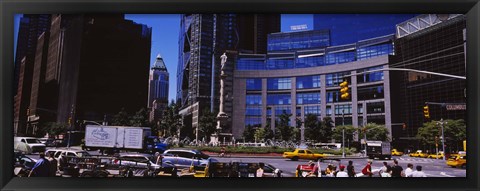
point(452, 157)
point(33, 141)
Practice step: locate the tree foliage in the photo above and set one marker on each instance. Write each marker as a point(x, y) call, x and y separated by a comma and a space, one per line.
point(284, 131)
point(455, 132)
point(325, 130)
point(207, 124)
point(337, 133)
point(171, 122)
point(375, 132)
point(55, 128)
point(140, 119)
point(249, 133)
point(259, 134)
point(122, 118)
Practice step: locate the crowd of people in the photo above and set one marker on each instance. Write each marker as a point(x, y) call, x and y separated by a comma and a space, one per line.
point(388, 170)
point(47, 166)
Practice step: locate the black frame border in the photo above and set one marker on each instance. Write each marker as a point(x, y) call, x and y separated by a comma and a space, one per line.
point(10, 7)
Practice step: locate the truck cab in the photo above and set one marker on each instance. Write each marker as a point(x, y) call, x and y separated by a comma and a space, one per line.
point(153, 144)
point(378, 149)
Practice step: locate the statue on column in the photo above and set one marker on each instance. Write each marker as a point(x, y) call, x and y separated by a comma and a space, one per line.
point(222, 116)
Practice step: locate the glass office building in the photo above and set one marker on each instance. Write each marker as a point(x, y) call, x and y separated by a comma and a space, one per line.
point(350, 28)
point(302, 81)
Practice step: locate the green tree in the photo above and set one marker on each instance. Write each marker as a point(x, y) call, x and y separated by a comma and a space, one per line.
point(325, 130)
point(285, 131)
point(122, 118)
point(55, 129)
point(171, 122)
point(269, 134)
point(349, 132)
point(140, 119)
point(312, 127)
point(259, 134)
point(375, 132)
point(207, 124)
point(454, 131)
point(248, 133)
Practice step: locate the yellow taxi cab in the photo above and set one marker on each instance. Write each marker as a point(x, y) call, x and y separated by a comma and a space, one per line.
point(457, 160)
point(395, 152)
point(303, 154)
point(438, 155)
point(418, 153)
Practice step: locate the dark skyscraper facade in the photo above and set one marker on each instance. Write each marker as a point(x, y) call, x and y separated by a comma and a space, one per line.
point(30, 28)
point(87, 67)
point(203, 39)
point(434, 43)
point(350, 28)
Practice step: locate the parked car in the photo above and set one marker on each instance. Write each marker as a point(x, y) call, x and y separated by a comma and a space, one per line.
point(458, 160)
point(28, 145)
point(183, 158)
point(303, 154)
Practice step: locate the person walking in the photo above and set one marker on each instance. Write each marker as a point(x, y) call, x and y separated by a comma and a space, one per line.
point(409, 170)
point(419, 172)
point(387, 172)
point(41, 168)
point(53, 164)
point(397, 170)
point(351, 169)
point(367, 170)
point(384, 168)
point(342, 172)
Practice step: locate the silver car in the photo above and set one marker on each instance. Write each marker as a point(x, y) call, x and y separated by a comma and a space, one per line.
point(183, 158)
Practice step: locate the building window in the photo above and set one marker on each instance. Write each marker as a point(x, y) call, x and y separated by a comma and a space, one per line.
point(336, 78)
point(340, 57)
point(328, 110)
point(306, 82)
point(298, 40)
point(275, 64)
point(312, 110)
point(250, 64)
point(376, 107)
point(254, 84)
point(279, 110)
point(375, 50)
point(312, 61)
point(279, 83)
point(253, 99)
point(371, 92)
point(279, 99)
point(253, 121)
point(299, 111)
point(308, 98)
point(253, 111)
point(360, 108)
point(370, 77)
point(347, 109)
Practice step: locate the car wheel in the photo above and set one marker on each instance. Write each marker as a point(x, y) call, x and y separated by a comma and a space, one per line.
point(101, 175)
point(294, 158)
point(86, 175)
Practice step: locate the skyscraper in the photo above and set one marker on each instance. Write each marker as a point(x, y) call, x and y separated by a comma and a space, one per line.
point(91, 66)
point(203, 39)
point(30, 28)
point(158, 89)
point(350, 28)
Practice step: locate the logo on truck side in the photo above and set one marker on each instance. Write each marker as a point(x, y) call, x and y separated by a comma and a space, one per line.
point(100, 134)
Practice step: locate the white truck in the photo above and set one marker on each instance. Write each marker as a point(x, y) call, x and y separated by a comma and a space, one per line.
point(112, 138)
point(379, 149)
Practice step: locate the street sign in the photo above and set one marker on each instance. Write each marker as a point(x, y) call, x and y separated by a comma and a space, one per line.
point(454, 107)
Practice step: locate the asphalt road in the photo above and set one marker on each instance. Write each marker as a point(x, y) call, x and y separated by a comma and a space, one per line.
point(432, 167)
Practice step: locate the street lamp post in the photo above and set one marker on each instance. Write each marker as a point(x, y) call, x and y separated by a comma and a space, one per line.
point(343, 133)
point(443, 137)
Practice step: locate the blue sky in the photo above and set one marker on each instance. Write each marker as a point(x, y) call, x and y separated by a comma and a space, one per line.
point(165, 30)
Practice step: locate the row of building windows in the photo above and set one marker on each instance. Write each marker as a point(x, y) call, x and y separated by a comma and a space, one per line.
point(275, 64)
point(336, 78)
point(308, 98)
point(370, 77)
point(279, 83)
point(307, 82)
point(253, 99)
point(375, 50)
point(298, 40)
point(279, 99)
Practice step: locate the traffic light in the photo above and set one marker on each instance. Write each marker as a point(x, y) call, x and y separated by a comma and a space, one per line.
point(69, 121)
point(404, 126)
point(344, 90)
point(426, 112)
